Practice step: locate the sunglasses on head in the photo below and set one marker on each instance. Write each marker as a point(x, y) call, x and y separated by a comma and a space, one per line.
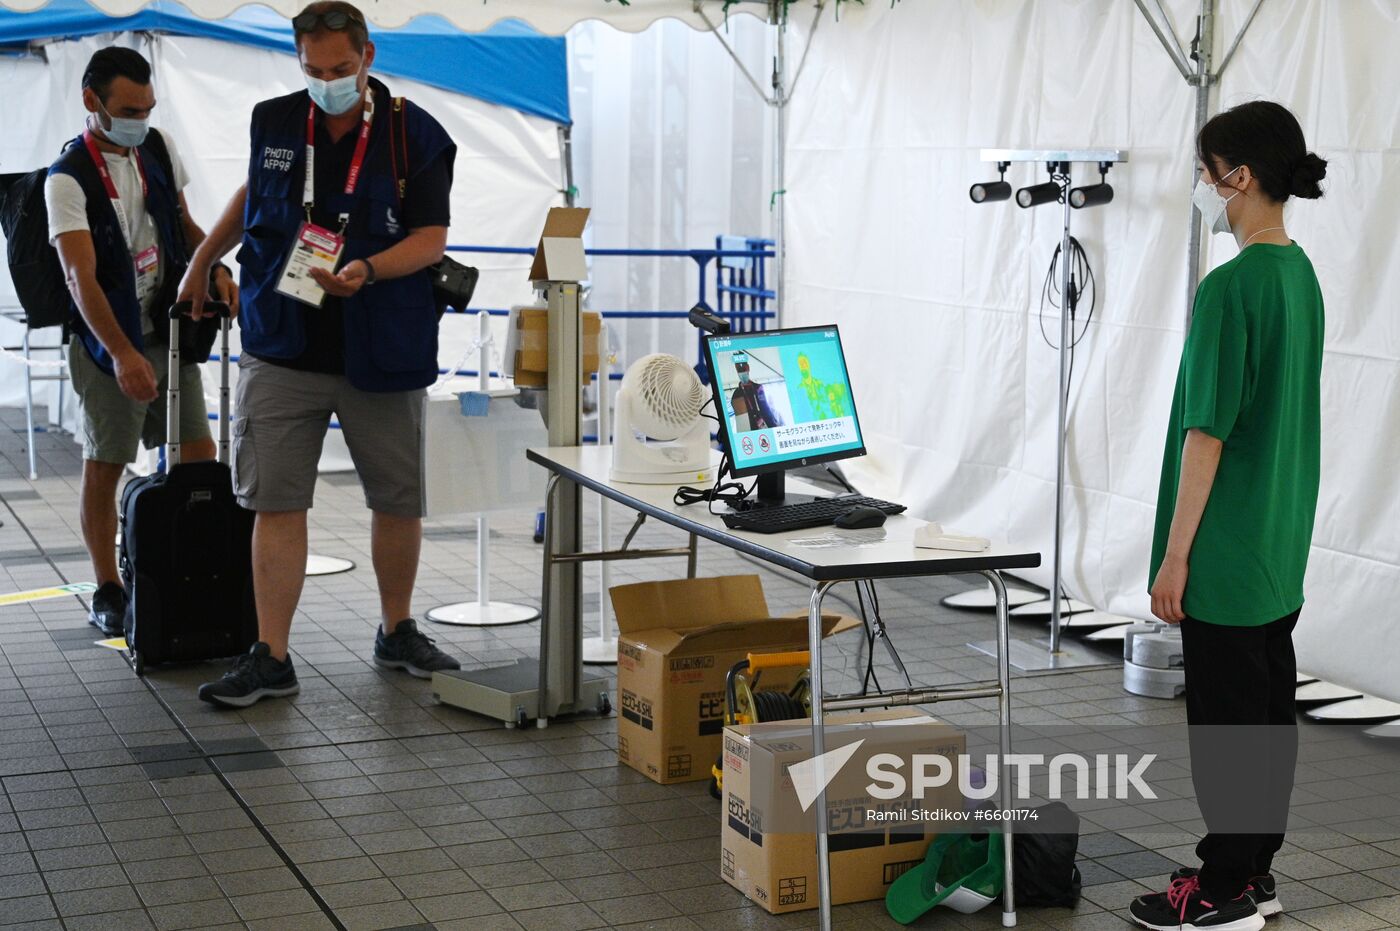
point(334, 20)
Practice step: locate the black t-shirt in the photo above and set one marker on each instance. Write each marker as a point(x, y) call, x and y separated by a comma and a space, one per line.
point(425, 204)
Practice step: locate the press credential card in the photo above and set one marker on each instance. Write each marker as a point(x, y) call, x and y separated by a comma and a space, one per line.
point(316, 247)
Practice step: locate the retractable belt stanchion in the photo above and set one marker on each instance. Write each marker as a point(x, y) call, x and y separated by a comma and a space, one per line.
point(483, 612)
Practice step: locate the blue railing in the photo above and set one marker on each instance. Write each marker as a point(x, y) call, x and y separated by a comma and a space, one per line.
point(740, 286)
point(740, 283)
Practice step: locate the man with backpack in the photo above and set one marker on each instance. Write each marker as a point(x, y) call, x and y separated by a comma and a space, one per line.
point(117, 217)
point(344, 211)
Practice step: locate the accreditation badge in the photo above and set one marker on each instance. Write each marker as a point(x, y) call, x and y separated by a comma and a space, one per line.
point(147, 263)
point(316, 247)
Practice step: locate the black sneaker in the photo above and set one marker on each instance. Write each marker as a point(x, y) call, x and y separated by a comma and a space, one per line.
point(254, 675)
point(410, 651)
point(1181, 908)
point(108, 609)
point(1262, 889)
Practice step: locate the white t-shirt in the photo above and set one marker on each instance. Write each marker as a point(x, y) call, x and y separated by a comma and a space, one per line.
point(67, 209)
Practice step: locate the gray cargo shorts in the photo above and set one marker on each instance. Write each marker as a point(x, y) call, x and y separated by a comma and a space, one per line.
point(113, 425)
point(280, 418)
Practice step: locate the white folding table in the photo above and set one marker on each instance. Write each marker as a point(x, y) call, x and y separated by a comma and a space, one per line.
point(821, 556)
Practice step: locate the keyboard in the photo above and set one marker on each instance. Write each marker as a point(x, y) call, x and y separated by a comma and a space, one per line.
point(819, 513)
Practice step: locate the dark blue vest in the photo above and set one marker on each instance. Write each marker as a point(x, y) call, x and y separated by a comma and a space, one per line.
point(116, 272)
point(390, 326)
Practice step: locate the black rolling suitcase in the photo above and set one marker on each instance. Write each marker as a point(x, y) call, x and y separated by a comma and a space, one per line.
point(186, 545)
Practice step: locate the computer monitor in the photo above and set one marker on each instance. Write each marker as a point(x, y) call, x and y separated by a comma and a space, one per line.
point(784, 400)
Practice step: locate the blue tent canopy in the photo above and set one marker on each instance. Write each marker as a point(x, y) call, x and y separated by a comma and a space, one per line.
point(510, 64)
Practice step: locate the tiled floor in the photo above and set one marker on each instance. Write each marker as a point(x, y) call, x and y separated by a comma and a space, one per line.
point(362, 804)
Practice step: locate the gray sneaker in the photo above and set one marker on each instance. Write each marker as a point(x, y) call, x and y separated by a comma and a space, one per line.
point(254, 675)
point(411, 651)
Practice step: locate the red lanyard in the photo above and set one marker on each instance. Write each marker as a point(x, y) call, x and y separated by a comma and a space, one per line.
point(352, 177)
point(98, 160)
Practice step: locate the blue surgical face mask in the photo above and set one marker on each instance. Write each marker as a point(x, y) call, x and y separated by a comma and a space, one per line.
point(335, 97)
point(124, 131)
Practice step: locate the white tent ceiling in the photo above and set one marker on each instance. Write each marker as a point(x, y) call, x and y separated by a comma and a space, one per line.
point(549, 16)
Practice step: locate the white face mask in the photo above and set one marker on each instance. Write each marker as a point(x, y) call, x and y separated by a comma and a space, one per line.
point(1212, 206)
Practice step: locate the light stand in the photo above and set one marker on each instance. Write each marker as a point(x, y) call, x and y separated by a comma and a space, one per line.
point(1059, 190)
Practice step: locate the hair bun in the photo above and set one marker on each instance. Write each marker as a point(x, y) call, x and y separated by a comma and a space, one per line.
point(1306, 174)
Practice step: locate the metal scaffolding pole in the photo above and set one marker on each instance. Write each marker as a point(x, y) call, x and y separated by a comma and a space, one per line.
point(1200, 78)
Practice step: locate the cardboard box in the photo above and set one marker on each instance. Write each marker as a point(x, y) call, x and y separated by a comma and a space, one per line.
point(764, 858)
point(676, 641)
point(532, 352)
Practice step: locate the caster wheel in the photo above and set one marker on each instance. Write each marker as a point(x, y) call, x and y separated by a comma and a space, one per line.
point(604, 704)
point(138, 663)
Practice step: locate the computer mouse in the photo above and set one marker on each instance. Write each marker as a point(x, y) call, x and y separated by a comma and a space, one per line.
point(861, 518)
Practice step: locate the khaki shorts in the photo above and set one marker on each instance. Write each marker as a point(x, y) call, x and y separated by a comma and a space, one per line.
point(113, 424)
point(280, 418)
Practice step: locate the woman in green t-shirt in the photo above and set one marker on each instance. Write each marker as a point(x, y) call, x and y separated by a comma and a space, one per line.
point(1235, 514)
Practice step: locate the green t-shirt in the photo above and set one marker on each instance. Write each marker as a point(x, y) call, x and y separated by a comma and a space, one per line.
point(1250, 376)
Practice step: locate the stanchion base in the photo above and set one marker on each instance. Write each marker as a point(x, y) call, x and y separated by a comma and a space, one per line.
point(983, 599)
point(1322, 693)
point(1364, 710)
point(327, 565)
point(1387, 731)
point(1040, 610)
point(1108, 634)
point(1093, 620)
point(475, 614)
point(1035, 655)
point(600, 652)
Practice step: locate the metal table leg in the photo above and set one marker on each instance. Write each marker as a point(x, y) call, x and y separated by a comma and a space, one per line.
point(814, 646)
point(29, 409)
point(1008, 907)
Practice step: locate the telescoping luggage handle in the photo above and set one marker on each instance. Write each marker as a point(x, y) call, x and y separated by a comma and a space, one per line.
point(172, 402)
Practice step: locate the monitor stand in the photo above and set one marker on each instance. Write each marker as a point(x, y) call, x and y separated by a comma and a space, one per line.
point(770, 493)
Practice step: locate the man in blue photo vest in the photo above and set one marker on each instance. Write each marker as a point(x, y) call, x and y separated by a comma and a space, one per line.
point(338, 319)
point(116, 211)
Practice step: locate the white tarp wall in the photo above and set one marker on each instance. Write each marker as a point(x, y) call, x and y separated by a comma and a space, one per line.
point(507, 172)
point(672, 147)
point(937, 298)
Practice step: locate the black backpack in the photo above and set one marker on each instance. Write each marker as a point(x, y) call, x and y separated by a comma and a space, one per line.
point(1044, 858)
point(34, 265)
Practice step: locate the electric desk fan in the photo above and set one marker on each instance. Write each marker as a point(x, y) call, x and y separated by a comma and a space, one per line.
point(660, 437)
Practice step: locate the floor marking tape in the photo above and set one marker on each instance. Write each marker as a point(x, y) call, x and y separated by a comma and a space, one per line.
point(42, 594)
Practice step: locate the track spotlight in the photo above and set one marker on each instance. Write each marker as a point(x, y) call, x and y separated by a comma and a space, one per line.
point(1047, 192)
point(1093, 195)
point(988, 191)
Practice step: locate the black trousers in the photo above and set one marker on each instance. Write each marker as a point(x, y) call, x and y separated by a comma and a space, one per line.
point(1240, 683)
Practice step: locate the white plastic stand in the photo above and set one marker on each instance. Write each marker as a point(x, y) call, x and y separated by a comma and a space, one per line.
point(316, 564)
point(483, 612)
point(602, 649)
